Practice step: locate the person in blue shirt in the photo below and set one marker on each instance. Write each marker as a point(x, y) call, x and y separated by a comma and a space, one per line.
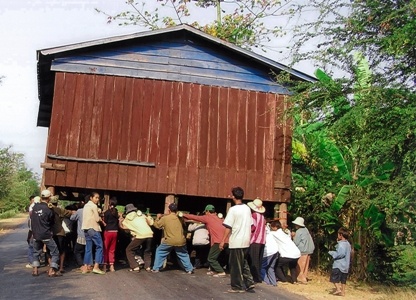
point(341, 265)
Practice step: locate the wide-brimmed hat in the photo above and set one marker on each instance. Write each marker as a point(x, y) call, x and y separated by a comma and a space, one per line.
point(129, 208)
point(299, 221)
point(257, 206)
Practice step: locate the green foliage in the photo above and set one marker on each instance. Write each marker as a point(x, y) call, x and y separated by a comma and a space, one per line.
point(8, 214)
point(404, 265)
point(240, 22)
point(17, 183)
point(382, 30)
point(353, 165)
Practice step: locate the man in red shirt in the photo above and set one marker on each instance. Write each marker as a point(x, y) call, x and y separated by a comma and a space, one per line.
point(216, 232)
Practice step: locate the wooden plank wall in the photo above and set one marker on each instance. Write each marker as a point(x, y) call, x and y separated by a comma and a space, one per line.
point(203, 139)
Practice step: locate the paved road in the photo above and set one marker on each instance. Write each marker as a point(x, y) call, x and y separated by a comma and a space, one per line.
point(16, 281)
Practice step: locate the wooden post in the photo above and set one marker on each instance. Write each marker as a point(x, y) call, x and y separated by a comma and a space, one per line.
point(283, 215)
point(106, 201)
point(168, 200)
point(229, 202)
point(276, 211)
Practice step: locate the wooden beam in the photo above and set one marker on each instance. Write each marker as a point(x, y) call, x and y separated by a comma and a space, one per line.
point(280, 185)
point(52, 166)
point(111, 161)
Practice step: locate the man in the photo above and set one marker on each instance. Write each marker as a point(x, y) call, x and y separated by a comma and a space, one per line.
point(42, 220)
point(139, 227)
point(29, 234)
point(59, 234)
point(173, 239)
point(79, 248)
point(91, 225)
point(238, 223)
point(258, 238)
point(216, 232)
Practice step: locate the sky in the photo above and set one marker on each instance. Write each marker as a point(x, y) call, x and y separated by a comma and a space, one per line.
point(27, 26)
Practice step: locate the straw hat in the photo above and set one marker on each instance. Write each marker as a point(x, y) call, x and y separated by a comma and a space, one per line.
point(257, 206)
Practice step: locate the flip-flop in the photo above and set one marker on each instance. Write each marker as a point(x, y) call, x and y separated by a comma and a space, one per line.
point(235, 291)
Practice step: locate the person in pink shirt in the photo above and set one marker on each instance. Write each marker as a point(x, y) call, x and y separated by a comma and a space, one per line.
point(216, 233)
point(257, 240)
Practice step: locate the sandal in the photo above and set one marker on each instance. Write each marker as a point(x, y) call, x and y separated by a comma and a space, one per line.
point(210, 273)
point(54, 274)
point(35, 273)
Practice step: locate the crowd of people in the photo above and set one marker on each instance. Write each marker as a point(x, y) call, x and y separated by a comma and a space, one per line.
point(244, 244)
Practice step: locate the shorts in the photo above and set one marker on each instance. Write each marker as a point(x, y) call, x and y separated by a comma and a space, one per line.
point(337, 276)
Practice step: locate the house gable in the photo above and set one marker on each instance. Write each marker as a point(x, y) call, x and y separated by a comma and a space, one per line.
point(180, 60)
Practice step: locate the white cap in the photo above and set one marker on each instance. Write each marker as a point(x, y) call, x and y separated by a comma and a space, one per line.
point(46, 194)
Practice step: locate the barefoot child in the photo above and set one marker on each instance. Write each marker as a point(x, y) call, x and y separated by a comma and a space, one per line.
point(341, 264)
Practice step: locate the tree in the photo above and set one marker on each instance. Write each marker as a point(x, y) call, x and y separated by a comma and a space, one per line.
point(245, 23)
point(343, 129)
point(17, 183)
point(383, 30)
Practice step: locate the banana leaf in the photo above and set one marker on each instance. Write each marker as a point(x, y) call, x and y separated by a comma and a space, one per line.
point(341, 198)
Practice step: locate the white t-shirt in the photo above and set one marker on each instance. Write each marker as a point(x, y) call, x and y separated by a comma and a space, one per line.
point(239, 220)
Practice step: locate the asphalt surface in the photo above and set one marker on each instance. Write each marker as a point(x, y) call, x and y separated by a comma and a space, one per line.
point(16, 281)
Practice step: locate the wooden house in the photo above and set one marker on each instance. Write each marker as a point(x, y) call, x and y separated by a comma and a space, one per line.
point(163, 114)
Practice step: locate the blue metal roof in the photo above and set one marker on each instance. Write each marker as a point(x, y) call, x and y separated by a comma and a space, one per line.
point(180, 53)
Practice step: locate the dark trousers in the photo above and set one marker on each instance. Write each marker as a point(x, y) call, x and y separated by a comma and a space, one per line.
point(213, 254)
point(255, 258)
point(239, 270)
point(79, 251)
point(134, 246)
point(283, 262)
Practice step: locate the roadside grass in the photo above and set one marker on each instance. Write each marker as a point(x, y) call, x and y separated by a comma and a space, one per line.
point(8, 214)
point(319, 288)
point(13, 222)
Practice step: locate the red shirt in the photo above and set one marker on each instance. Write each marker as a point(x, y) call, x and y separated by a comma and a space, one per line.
point(214, 226)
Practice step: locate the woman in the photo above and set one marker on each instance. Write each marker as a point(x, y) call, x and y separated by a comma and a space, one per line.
point(110, 234)
point(91, 225)
point(303, 240)
point(288, 253)
point(270, 256)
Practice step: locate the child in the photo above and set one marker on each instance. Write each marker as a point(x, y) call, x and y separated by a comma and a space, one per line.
point(341, 264)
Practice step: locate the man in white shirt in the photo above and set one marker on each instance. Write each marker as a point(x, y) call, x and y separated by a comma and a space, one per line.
point(238, 223)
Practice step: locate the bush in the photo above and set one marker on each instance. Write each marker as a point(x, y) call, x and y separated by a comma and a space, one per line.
point(404, 266)
point(8, 214)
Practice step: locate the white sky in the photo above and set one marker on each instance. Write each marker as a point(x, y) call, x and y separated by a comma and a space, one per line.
point(27, 26)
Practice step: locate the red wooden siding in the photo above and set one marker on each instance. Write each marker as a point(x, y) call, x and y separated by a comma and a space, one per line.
point(202, 139)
